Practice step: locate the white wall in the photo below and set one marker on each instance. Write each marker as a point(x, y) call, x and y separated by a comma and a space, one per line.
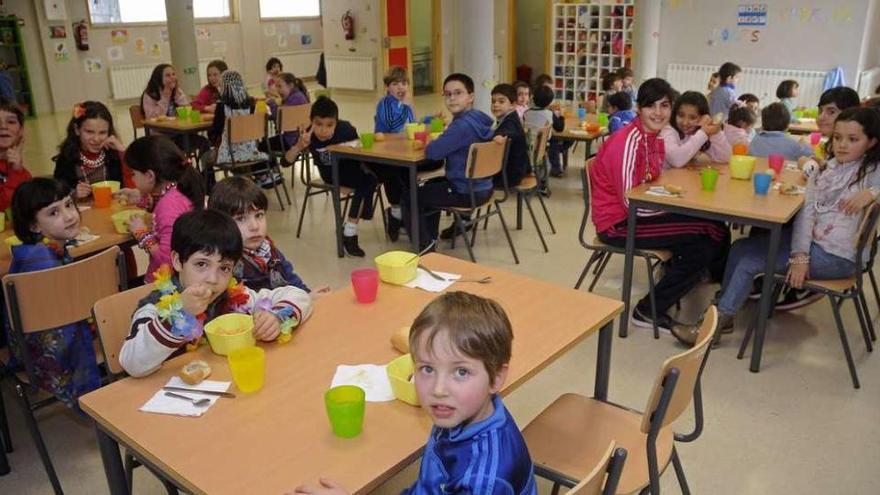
point(871, 44)
point(530, 20)
point(805, 34)
point(368, 32)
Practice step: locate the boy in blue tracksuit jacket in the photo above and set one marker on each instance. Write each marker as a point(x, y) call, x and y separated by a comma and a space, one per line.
point(773, 140)
point(392, 114)
point(475, 447)
point(468, 126)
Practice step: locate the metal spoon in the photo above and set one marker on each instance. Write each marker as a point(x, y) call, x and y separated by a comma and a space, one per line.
point(196, 402)
point(484, 280)
point(423, 251)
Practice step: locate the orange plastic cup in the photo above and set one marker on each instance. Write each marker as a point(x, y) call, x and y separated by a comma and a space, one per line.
point(740, 149)
point(103, 196)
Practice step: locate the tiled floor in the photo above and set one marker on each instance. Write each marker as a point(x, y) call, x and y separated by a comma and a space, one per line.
point(796, 427)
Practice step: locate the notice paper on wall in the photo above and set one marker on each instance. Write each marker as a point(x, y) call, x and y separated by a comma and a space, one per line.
point(140, 46)
point(115, 54)
point(752, 14)
point(93, 65)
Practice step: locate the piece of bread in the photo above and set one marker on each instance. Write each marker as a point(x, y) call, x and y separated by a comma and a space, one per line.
point(194, 372)
point(400, 339)
point(379, 137)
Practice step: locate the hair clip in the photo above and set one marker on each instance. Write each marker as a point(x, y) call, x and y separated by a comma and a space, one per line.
point(79, 111)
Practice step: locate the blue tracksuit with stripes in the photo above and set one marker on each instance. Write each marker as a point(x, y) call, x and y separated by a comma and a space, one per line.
point(392, 115)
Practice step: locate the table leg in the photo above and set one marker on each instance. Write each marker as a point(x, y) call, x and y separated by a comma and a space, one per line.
point(4, 462)
point(187, 149)
point(414, 208)
point(766, 304)
point(519, 211)
point(337, 204)
point(628, 269)
point(112, 463)
point(603, 361)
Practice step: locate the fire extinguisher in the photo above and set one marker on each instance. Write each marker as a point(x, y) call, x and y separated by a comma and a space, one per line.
point(348, 25)
point(81, 35)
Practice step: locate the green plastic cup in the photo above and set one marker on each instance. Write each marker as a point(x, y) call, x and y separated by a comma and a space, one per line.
point(708, 178)
point(436, 124)
point(345, 408)
point(182, 113)
point(602, 119)
point(367, 140)
point(195, 116)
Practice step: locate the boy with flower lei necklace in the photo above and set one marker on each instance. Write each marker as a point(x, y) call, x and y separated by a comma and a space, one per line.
point(205, 245)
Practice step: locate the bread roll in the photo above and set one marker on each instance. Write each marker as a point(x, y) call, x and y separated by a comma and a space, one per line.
point(379, 137)
point(400, 339)
point(194, 372)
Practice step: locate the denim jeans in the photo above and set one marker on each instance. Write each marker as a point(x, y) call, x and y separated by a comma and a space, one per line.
point(747, 258)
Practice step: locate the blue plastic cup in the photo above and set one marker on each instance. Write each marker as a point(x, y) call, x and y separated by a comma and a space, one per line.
point(762, 183)
point(582, 113)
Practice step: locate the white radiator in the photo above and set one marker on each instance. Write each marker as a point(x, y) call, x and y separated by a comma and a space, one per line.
point(868, 82)
point(302, 64)
point(760, 82)
point(351, 72)
point(129, 81)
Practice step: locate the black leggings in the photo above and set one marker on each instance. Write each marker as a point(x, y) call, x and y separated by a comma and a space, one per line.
point(352, 174)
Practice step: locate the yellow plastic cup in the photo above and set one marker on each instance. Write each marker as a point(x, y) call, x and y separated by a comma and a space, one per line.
point(411, 130)
point(248, 367)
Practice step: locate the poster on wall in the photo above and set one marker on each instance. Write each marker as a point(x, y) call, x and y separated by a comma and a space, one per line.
point(305, 39)
point(752, 14)
point(140, 46)
point(115, 54)
point(56, 32)
point(269, 30)
point(203, 33)
point(61, 53)
point(119, 36)
point(56, 10)
point(155, 50)
point(163, 35)
point(93, 65)
point(282, 41)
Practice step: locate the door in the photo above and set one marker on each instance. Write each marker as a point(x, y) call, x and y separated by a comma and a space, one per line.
point(396, 41)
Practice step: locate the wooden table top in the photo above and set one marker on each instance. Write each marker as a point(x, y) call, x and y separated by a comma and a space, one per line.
point(97, 220)
point(395, 147)
point(574, 132)
point(732, 197)
point(804, 127)
point(280, 437)
point(175, 125)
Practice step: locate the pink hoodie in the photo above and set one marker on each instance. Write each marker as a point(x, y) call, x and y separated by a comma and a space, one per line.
point(680, 151)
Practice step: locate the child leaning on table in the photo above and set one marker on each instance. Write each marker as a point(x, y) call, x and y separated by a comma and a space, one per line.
point(205, 247)
point(461, 346)
point(262, 264)
point(691, 131)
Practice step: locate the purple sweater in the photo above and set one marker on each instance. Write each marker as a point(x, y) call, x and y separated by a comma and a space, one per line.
point(294, 98)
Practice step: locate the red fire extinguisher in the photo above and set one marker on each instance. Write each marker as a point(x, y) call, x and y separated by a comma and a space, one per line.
point(81, 35)
point(348, 25)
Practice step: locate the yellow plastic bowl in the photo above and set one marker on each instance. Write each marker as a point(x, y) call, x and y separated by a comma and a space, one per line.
point(112, 184)
point(742, 166)
point(435, 135)
point(222, 340)
point(120, 219)
point(12, 241)
point(397, 267)
point(400, 372)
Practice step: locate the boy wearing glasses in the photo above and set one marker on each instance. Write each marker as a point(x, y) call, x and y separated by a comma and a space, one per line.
point(468, 126)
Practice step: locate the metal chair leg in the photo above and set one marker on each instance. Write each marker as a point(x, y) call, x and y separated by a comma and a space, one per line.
point(546, 213)
point(599, 271)
point(863, 325)
point(5, 436)
point(835, 306)
point(679, 473)
point(864, 302)
point(31, 422)
point(459, 226)
point(535, 222)
point(593, 258)
point(652, 298)
point(302, 212)
point(129, 463)
point(555, 490)
point(873, 279)
point(507, 233)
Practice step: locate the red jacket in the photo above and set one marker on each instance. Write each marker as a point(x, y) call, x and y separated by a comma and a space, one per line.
point(10, 180)
point(623, 162)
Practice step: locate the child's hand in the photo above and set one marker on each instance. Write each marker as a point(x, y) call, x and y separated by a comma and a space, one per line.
point(328, 487)
point(858, 201)
point(498, 139)
point(708, 126)
point(266, 326)
point(14, 155)
point(797, 274)
point(83, 190)
point(196, 299)
point(113, 143)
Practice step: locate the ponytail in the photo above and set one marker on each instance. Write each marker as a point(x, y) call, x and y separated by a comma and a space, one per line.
point(296, 82)
point(159, 154)
point(191, 185)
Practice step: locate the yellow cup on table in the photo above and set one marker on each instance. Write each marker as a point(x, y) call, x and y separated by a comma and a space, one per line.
point(248, 366)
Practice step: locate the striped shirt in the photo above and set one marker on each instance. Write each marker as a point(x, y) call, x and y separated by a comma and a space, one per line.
point(392, 114)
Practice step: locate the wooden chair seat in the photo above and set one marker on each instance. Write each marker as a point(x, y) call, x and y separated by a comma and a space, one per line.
point(661, 254)
point(237, 165)
point(528, 183)
point(839, 286)
point(466, 209)
point(573, 434)
point(431, 174)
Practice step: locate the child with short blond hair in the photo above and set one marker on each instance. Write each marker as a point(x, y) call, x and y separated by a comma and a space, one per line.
point(461, 345)
point(392, 112)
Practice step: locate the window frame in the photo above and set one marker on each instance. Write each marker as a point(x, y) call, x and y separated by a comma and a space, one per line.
point(295, 18)
point(197, 20)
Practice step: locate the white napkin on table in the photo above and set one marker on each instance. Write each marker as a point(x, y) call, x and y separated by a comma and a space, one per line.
point(162, 404)
point(373, 378)
point(660, 191)
point(426, 282)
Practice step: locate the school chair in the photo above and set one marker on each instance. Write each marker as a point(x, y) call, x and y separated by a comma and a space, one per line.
point(73, 289)
point(565, 439)
point(112, 316)
point(601, 252)
point(292, 119)
point(838, 291)
point(251, 128)
point(604, 478)
point(485, 160)
point(137, 118)
point(529, 187)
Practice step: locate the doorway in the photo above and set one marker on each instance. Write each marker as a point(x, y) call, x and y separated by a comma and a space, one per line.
point(424, 20)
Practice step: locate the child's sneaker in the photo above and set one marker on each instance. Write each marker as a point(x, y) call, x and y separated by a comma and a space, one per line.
point(792, 298)
point(350, 243)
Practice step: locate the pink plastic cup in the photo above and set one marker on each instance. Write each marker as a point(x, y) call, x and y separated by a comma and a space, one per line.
point(815, 137)
point(776, 163)
point(422, 136)
point(366, 283)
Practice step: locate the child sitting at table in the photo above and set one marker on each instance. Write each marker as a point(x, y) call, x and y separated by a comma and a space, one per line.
point(722, 97)
point(751, 101)
point(787, 91)
point(327, 130)
point(167, 185)
point(773, 140)
point(274, 68)
point(740, 126)
point(692, 131)
point(91, 152)
point(262, 264)
point(822, 243)
point(205, 246)
point(539, 116)
point(611, 83)
point(393, 112)
point(293, 92)
point(509, 125)
point(468, 126)
point(620, 109)
point(627, 84)
point(162, 96)
point(523, 97)
point(12, 171)
point(206, 100)
point(714, 79)
point(46, 220)
point(461, 346)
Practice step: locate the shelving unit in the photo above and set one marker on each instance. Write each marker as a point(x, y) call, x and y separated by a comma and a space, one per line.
point(589, 39)
point(14, 63)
